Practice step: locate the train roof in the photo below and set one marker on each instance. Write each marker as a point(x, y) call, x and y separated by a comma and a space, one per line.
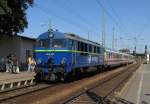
point(115, 51)
point(60, 35)
point(78, 38)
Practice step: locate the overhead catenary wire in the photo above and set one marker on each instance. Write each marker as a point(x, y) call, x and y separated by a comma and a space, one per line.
point(114, 20)
point(116, 15)
point(46, 10)
point(81, 17)
point(90, 26)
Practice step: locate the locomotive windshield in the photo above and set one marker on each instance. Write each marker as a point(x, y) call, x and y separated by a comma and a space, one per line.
point(42, 43)
point(56, 43)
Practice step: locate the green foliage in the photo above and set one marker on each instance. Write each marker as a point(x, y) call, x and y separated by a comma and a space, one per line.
point(13, 16)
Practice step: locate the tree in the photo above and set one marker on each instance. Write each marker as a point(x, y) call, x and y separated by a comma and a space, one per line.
point(13, 16)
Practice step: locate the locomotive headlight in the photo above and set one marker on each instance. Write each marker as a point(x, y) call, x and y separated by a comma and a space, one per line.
point(63, 61)
point(39, 61)
point(50, 33)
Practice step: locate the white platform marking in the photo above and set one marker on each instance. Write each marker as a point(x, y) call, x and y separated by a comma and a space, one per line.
point(140, 87)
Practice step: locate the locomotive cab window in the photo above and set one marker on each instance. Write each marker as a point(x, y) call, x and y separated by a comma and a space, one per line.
point(42, 43)
point(58, 43)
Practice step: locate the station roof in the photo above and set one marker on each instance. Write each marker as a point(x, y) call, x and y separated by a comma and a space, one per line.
point(19, 36)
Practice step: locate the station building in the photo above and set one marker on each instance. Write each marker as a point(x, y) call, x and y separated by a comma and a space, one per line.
point(21, 46)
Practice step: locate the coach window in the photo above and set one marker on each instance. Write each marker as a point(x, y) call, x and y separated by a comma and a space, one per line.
point(102, 50)
point(109, 55)
point(98, 49)
point(92, 49)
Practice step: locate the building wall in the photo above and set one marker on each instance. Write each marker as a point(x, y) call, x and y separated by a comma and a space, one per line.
point(26, 45)
point(9, 45)
point(15, 45)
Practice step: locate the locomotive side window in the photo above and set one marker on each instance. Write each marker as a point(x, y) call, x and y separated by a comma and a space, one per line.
point(85, 47)
point(90, 48)
point(82, 46)
point(94, 49)
point(71, 44)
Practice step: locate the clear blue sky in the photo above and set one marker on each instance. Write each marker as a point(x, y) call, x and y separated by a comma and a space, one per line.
point(131, 18)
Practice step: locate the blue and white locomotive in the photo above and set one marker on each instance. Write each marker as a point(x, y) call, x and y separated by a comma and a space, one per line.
point(61, 55)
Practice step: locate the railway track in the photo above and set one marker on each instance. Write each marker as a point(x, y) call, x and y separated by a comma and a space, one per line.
point(14, 93)
point(104, 92)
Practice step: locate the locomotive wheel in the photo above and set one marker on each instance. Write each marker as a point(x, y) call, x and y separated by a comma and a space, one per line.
point(78, 74)
point(67, 77)
point(38, 77)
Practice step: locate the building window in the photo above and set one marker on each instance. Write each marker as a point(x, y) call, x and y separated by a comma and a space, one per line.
point(28, 53)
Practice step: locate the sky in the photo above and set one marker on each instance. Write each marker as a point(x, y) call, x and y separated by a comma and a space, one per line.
point(130, 20)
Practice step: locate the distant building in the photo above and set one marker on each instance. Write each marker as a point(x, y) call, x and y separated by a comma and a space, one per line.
point(19, 45)
point(125, 50)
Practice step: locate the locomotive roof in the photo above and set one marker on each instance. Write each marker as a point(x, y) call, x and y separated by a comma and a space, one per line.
point(56, 35)
point(78, 38)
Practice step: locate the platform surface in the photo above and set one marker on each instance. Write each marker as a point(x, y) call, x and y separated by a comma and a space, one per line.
point(8, 77)
point(137, 90)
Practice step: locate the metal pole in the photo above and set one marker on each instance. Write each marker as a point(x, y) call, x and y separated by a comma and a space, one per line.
point(113, 38)
point(103, 28)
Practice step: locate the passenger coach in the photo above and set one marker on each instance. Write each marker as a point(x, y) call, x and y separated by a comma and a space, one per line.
point(115, 58)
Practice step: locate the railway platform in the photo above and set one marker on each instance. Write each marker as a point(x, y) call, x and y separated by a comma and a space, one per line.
point(137, 89)
point(9, 80)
